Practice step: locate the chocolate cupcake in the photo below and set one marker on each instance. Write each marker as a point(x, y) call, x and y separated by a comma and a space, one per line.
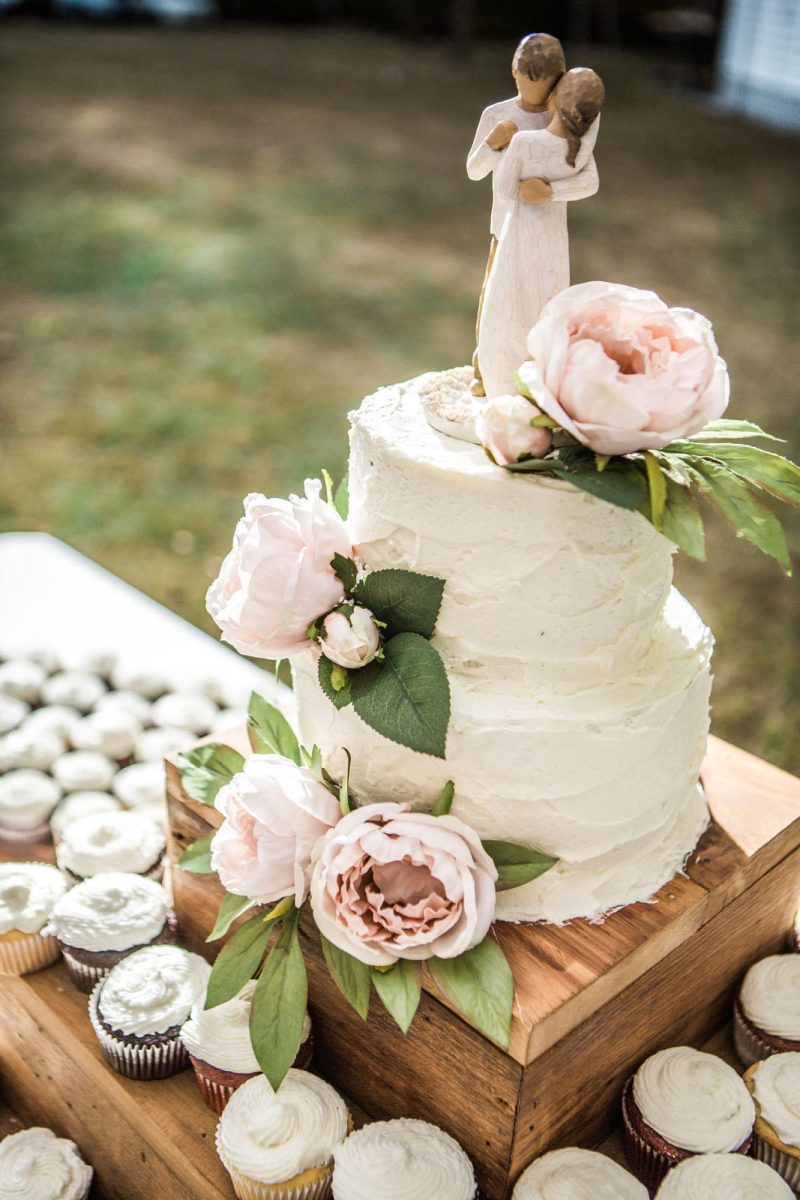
point(766, 1014)
point(137, 1011)
point(106, 918)
point(117, 841)
point(723, 1177)
point(28, 893)
point(775, 1087)
point(37, 1165)
point(404, 1160)
point(573, 1174)
point(683, 1102)
point(220, 1050)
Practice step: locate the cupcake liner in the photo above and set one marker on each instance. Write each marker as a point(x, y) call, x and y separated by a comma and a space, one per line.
point(793, 941)
point(786, 1165)
point(751, 1044)
point(217, 1091)
point(28, 953)
point(83, 975)
point(251, 1189)
point(24, 837)
point(143, 1061)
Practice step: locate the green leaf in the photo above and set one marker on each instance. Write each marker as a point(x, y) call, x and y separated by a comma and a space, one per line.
point(400, 989)
point(346, 571)
point(350, 976)
point(657, 488)
point(736, 502)
point(725, 429)
point(480, 985)
point(206, 769)
point(445, 800)
point(238, 961)
point(771, 472)
point(619, 484)
point(407, 696)
point(197, 857)
point(517, 864)
point(681, 523)
point(533, 464)
point(312, 759)
point(326, 479)
point(339, 697)
point(542, 421)
point(407, 601)
point(279, 1006)
point(270, 732)
point(344, 787)
point(230, 908)
point(341, 500)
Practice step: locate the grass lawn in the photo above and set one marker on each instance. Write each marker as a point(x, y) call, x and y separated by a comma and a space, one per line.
point(214, 243)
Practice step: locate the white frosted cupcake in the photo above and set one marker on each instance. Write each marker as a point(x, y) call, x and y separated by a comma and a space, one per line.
point(80, 804)
point(34, 748)
point(775, 1087)
point(402, 1160)
point(153, 745)
point(120, 841)
point(12, 712)
point(53, 718)
point(723, 1177)
point(766, 1015)
point(186, 710)
point(130, 702)
point(140, 783)
point(280, 1146)
point(220, 1050)
point(138, 1009)
point(105, 918)
point(144, 680)
point(573, 1174)
point(28, 893)
point(22, 679)
point(84, 771)
point(683, 1102)
point(27, 798)
point(37, 1165)
point(76, 689)
point(111, 732)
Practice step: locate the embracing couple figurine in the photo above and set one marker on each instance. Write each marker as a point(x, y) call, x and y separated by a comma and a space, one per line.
point(538, 147)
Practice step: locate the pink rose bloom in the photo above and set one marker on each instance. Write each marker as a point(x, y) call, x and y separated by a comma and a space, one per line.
point(622, 372)
point(275, 812)
point(504, 428)
point(352, 641)
point(388, 884)
point(278, 579)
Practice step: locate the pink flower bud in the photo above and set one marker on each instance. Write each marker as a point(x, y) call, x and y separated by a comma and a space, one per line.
point(350, 641)
point(504, 427)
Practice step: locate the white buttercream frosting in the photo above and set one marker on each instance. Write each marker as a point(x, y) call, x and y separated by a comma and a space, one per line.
point(579, 680)
point(273, 1137)
point(111, 731)
point(776, 1087)
point(156, 744)
point(78, 689)
point(770, 995)
point(145, 680)
point(402, 1160)
point(573, 1174)
point(723, 1177)
point(12, 712)
point(27, 798)
point(694, 1100)
point(120, 841)
point(37, 1165)
point(28, 892)
point(21, 678)
point(53, 718)
point(111, 911)
point(152, 990)
point(221, 1035)
point(131, 702)
point(140, 783)
point(81, 804)
point(35, 748)
point(84, 770)
point(186, 710)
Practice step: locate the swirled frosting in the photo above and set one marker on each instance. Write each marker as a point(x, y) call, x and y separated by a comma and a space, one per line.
point(221, 1035)
point(694, 1100)
point(120, 841)
point(723, 1177)
point(776, 1087)
point(152, 989)
point(573, 1174)
point(770, 995)
point(400, 1159)
point(37, 1165)
point(113, 910)
point(28, 892)
point(273, 1137)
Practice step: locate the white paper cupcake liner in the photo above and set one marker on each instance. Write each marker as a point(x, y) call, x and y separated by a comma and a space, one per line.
point(252, 1189)
point(786, 1165)
point(22, 837)
point(137, 1061)
point(82, 974)
point(32, 952)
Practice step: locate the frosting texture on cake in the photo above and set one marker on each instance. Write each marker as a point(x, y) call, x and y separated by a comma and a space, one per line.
point(572, 1174)
point(402, 1158)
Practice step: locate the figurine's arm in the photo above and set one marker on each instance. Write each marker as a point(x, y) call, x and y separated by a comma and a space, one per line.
point(577, 187)
point(506, 177)
point(482, 158)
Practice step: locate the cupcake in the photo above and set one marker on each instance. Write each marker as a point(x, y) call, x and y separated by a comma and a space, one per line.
point(111, 732)
point(27, 798)
point(683, 1102)
point(34, 748)
point(22, 679)
point(402, 1160)
point(12, 712)
point(53, 718)
point(140, 783)
point(80, 804)
point(138, 1009)
point(77, 689)
point(84, 771)
point(219, 1047)
point(766, 1015)
point(574, 1174)
point(28, 893)
point(280, 1145)
point(723, 1177)
point(775, 1087)
point(156, 744)
point(107, 917)
point(117, 841)
point(37, 1165)
point(186, 710)
point(145, 681)
point(130, 702)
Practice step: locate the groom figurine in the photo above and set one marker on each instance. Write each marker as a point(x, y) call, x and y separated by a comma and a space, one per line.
point(537, 66)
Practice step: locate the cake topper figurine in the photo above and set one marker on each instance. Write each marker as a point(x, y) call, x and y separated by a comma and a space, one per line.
point(538, 147)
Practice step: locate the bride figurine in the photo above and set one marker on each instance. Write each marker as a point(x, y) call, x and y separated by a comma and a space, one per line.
point(531, 263)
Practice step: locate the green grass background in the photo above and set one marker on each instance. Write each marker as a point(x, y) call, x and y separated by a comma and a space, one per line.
point(214, 243)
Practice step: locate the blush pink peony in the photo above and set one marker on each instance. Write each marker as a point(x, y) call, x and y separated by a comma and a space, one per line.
point(278, 579)
point(504, 428)
point(389, 884)
point(275, 812)
point(622, 372)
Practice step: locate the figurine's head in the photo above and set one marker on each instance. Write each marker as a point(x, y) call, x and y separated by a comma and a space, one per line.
point(537, 66)
point(577, 100)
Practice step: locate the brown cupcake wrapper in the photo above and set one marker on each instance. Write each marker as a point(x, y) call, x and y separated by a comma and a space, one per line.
point(158, 1061)
point(88, 967)
point(786, 1165)
point(32, 952)
point(751, 1045)
point(252, 1189)
point(22, 837)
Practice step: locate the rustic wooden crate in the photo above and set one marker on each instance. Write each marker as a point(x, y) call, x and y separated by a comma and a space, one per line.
point(592, 1000)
